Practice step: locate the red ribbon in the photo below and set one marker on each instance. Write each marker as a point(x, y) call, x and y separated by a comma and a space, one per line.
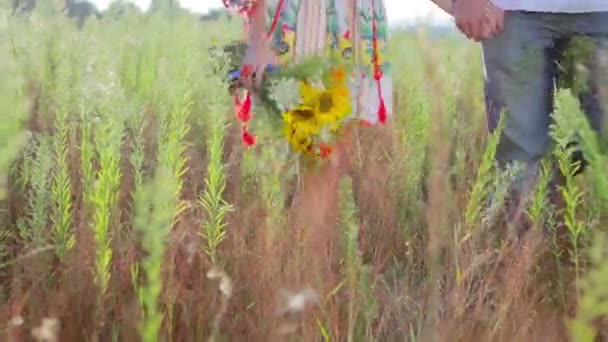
point(377, 69)
point(275, 19)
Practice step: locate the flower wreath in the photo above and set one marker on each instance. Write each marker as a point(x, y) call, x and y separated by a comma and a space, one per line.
point(310, 123)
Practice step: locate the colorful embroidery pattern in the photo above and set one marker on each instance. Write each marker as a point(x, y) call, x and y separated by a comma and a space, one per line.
point(339, 43)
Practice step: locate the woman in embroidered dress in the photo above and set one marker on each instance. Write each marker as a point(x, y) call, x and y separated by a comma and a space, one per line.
point(356, 30)
point(327, 27)
point(286, 31)
point(302, 28)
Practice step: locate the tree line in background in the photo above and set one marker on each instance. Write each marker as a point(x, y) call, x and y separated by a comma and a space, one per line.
point(81, 10)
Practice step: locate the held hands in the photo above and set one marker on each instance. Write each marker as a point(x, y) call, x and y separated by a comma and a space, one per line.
point(478, 19)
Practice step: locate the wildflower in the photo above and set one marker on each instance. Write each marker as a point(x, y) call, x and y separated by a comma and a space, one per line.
point(324, 151)
point(302, 117)
point(332, 104)
point(300, 125)
point(320, 111)
point(338, 75)
point(308, 93)
point(299, 139)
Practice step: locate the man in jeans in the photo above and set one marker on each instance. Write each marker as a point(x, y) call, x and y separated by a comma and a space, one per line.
point(522, 41)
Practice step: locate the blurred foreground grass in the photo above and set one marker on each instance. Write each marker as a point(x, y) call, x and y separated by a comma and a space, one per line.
point(132, 212)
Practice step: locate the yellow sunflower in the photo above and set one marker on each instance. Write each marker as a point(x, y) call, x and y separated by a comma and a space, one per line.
point(304, 117)
point(319, 109)
point(329, 105)
point(300, 126)
point(308, 93)
point(332, 106)
point(299, 140)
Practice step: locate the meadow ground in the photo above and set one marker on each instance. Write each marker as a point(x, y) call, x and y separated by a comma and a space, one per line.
point(130, 210)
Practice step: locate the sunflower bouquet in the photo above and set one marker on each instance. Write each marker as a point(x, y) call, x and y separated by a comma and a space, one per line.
point(309, 101)
point(311, 124)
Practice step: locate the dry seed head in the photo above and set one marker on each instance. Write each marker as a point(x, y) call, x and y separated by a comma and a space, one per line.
point(297, 302)
point(48, 331)
point(16, 321)
point(225, 281)
point(191, 249)
point(287, 328)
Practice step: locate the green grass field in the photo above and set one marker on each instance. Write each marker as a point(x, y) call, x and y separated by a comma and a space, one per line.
point(130, 210)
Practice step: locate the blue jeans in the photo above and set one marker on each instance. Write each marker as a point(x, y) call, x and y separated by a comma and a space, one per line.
point(520, 66)
point(521, 70)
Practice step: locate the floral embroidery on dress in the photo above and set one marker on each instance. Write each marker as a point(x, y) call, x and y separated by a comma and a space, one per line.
point(339, 43)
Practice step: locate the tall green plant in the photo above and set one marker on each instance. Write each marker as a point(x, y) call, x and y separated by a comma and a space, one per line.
point(593, 302)
point(162, 204)
point(13, 100)
point(485, 178)
point(571, 191)
point(34, 229)
point(155, 214)
point(108, 142)
point(61, 99)
point(212, 201)
point(361, 305)
point(61, 190)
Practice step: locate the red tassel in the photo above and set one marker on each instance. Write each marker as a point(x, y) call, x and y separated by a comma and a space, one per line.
point(377, 69)
point(246, 70)
point(275, 19)
point(378, 74)
point(247, 137)
point(382, 111)
point(244, 113)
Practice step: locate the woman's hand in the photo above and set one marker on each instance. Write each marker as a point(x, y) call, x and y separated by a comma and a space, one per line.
point(257, 57)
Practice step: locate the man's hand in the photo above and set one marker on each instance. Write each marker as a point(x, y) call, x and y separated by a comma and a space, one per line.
point(478, 19)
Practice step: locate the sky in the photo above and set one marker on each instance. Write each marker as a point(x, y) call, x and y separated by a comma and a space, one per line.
point(397, 9)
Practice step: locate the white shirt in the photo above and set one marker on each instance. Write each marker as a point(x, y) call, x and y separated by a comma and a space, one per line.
point(557, 6)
